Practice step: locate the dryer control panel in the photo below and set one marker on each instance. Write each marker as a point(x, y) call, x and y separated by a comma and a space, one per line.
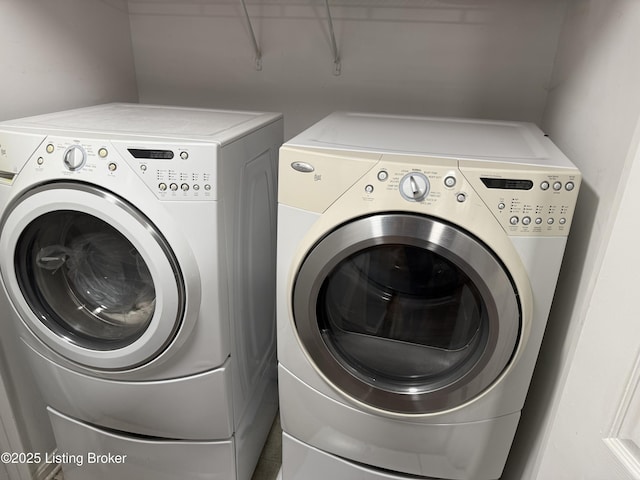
point(526, 200)
point(522, 199)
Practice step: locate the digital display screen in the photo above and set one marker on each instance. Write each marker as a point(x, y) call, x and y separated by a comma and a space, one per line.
point(151, 154)
point(507, 183)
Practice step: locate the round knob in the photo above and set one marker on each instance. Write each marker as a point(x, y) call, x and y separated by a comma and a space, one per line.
point(414, 187)
point(74, 158)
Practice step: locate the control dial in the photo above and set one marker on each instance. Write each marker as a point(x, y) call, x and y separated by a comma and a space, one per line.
point(74, 158)
point(414, 187)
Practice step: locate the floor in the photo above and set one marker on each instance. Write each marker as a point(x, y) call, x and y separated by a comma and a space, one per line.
point(271, 457)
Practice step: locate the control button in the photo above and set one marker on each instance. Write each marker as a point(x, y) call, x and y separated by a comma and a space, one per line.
point(113, 167)
point(538, 220)
point(50, 148)
point(162, 187)
point(207, 187)
point(74, 158)
point(569, 186)
point(514, 220)
point(40, 161)
point(450, 181)
point(461, 197)
point(383, 175)
point(562, 221)
point(544, 185)
point(103, 152)
point(184, 155)
point(184, 187)
point(143, 167)
point(196, 187)
point(526, 221)
point(501, 206)
point(368, 189)
point(550, 221)
point(414, 187)
point(557, 186)
point(173, 187)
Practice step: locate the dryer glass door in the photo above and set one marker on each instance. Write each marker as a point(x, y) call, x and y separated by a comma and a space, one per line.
point(406, 313)
point(91, 276)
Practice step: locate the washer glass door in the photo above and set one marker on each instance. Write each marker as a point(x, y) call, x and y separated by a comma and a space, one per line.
point(91, 276)
point(85, 280)
point(406, 313)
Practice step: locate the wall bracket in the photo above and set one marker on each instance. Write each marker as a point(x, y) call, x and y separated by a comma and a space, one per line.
point(256, 48)
point(337, 63)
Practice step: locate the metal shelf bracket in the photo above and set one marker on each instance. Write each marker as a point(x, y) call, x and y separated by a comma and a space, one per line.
point(256, 48)
point(337, 64)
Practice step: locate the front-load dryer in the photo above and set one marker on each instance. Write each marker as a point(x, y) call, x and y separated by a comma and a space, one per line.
point(138, 256)
point(417, 261)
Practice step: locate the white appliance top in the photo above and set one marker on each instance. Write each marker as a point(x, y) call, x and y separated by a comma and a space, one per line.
point(150, 121)
point(516, 142)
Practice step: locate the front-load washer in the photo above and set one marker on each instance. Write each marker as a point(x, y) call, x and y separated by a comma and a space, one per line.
point(417, 262)
point(138, 256)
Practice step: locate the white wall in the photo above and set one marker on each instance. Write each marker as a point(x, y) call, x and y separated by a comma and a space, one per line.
point(53, 55)
point(476, 58)
point(592, 114)
point(62, 54)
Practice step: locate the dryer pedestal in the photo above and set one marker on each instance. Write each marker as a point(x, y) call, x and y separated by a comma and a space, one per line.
point(324, 428)
point(302, 461)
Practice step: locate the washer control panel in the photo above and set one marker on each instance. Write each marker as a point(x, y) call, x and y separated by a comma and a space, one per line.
point(175, 171)
point(171, 172)
point(74, 158)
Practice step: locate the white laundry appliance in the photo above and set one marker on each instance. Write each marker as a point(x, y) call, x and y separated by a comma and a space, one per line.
point(417, 262)
point(138, 256)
